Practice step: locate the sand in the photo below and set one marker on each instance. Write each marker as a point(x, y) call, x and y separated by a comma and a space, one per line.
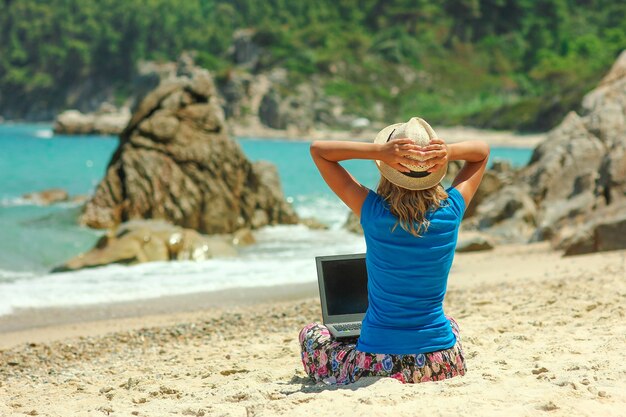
point(543, 335)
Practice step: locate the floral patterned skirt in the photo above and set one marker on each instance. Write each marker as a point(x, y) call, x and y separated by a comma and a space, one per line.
point(339, 362)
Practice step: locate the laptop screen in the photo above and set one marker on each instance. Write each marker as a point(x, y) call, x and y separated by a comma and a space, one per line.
point(345, 286)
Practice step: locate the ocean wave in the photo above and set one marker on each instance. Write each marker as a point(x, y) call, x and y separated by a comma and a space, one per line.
point(282, 255)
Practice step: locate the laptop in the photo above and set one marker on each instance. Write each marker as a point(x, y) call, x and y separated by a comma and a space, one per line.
point(342, 282)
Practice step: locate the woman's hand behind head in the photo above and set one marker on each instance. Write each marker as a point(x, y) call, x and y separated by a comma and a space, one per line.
point(435, 153)
point(397, 151)
point(400, 152)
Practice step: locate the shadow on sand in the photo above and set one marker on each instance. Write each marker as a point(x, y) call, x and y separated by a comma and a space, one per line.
point(308, 386)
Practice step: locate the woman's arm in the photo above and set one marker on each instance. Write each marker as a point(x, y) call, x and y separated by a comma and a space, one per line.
point(475, 154)
point(327, 154)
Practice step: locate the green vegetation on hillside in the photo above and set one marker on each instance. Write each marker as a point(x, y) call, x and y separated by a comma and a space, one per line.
point(494, 63)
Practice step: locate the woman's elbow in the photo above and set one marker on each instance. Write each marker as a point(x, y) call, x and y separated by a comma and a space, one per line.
point(314, 148)
point(486, 149)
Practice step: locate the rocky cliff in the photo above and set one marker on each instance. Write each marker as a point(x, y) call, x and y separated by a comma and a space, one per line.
point(576, 173)
point(176, 163)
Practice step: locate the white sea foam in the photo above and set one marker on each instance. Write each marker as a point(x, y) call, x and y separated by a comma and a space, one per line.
point(6, 275)
point(21, 201)
point(15, 201)
point(328, 209)
point(6, 278)
point(283, 255)
point(44, 133)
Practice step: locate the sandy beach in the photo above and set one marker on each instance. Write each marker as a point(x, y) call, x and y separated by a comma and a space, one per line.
point(543, 335)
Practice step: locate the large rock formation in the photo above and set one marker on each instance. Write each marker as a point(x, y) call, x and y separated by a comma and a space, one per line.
point(175, 163)
point(580, 167)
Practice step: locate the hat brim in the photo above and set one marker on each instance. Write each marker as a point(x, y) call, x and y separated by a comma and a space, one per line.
point(398, 178)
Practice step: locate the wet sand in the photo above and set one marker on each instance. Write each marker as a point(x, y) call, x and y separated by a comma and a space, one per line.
point(44, 324)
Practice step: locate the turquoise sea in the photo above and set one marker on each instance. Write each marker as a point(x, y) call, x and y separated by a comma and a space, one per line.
point(35, 238)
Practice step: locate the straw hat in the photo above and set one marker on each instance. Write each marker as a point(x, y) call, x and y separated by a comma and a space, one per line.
point(418, 179)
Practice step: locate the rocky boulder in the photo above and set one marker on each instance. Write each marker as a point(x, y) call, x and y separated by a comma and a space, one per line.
point(494, 179)
point(474, 243)
point(47, 197)
point(566, 164)
point(578, 169)
point(586, 154)
point(490, 184)
point(511, 202)
point(353, 224)
point(108, 120)
point(148, 241)
point(73, 122)
point(176, 163)
point(604, 230)
point(510, 214)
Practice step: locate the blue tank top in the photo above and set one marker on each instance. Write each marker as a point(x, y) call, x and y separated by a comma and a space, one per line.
point(407, 278)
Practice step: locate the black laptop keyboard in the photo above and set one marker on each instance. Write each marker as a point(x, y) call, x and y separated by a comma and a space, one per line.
point(347, 327)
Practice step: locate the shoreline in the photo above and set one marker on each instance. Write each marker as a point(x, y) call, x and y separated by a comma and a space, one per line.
point(501, 266)
point(36, 325)
point(451, 134)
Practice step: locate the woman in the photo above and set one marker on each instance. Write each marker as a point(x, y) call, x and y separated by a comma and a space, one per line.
point(410, 226)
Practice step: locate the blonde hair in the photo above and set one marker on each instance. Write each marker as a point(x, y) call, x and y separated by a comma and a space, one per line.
point(411, 206)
